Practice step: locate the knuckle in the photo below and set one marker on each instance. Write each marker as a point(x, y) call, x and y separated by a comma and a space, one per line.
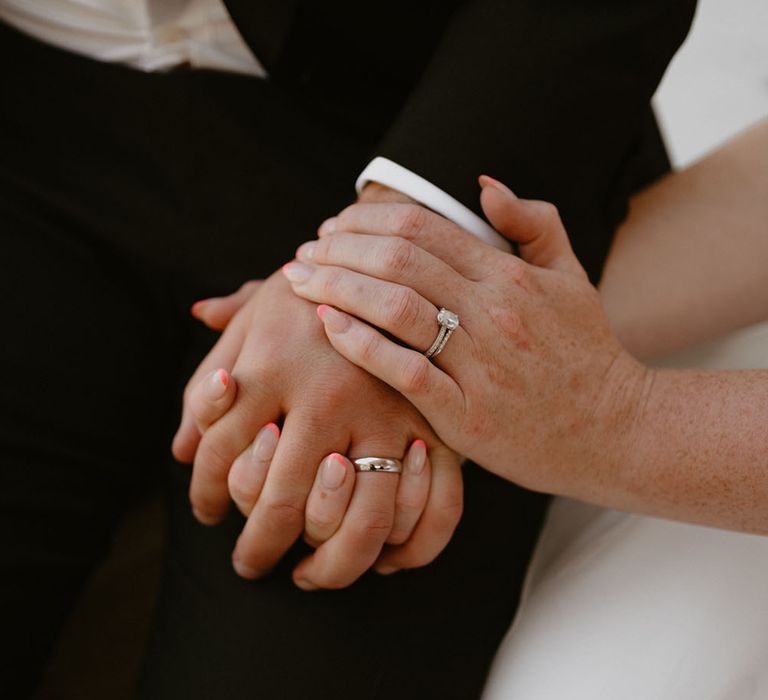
point(398, 256)
point(410, 221)
point(368, 348)
point(415, 374)
point(324, 249)
point(249, 287)
point(548, 211)
point(507, 321)
point(409, 503)
point(374, 525)
point(213, 457)
point(332, 281)
point(317, 523)
point(345, 215)
point(512, 268)
point(283, 514)
point(401, 307)
point(448, 514)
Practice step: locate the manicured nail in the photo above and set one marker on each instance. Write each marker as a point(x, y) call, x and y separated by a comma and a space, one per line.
point(335, 321)
point(217, 385)
point(385, 569)
point(297, 272)
point(328, 226)
point(198, 306)
point(305, 585)
point(488, 181)
point(306, 251)
point(417, 457)
point(333, 472)
point(265, 444)
point(244, 570)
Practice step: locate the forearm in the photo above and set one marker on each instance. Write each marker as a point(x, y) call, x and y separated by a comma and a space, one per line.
point(689, 262)
point(697, 450)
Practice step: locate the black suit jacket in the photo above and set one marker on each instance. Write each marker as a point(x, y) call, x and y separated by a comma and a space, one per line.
point(551, 97)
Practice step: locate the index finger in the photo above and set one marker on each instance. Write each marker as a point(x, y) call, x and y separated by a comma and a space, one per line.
point(223, 355)
point(464, 252)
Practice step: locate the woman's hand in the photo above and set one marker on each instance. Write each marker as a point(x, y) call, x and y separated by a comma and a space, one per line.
point(333, 488)
point(532, 385)
point(284, 366)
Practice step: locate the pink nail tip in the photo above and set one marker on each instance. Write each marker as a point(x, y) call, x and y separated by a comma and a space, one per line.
point(336, 457)
point(322, 309)
point(197, 306)
point(273, 427)
point(223, 377)
point(419, 443)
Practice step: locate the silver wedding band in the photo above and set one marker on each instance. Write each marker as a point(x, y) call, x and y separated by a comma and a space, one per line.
point(378, 464)
point(449, 322)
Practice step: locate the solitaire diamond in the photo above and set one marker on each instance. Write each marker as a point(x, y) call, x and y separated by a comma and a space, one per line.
point(448, 319)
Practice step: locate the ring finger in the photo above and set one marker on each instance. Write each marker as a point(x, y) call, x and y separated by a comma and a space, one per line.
point(363, 530)
point(357, 544)
point(397, 309)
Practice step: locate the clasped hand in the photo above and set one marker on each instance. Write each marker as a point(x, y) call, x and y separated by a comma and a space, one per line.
point(533, 385)
point(274, 365)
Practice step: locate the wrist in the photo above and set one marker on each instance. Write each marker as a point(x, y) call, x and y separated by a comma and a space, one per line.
point(376, 192)
point(621, 432)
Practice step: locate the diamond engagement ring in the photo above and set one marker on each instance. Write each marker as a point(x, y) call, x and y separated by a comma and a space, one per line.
point(449, 322)
point(378, 464)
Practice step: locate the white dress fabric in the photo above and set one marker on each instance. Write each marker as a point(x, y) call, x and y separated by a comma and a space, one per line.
point(626, 607)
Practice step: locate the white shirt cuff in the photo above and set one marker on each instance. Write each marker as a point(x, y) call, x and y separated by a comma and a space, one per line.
point(387, 172)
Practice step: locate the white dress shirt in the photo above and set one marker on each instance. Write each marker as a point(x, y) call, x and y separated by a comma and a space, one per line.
point(159, 35)
point(150, 35)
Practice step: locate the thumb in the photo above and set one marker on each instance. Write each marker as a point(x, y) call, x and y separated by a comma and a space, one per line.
point(534, 225)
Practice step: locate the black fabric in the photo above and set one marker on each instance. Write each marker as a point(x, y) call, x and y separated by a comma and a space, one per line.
point(124, 197)
point(550, 97)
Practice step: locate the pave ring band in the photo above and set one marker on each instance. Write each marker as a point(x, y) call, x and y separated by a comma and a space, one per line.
point(378, 464)
point(449, 322)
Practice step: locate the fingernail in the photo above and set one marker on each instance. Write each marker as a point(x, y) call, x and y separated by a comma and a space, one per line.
point(217, 385)
point(305, 585)
point(333, 472)
point(417, 457)
point(265, 444)
point(385, 569)
point(197, 307)
point(328, 226)
point(243, 569)
point(306, 251)
point(488, 181)
point(297, 272)
point(335, 321)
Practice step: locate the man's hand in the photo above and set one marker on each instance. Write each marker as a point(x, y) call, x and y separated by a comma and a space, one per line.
point(284, 367)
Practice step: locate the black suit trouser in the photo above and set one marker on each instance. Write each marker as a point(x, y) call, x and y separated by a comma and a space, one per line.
point(124, 197)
